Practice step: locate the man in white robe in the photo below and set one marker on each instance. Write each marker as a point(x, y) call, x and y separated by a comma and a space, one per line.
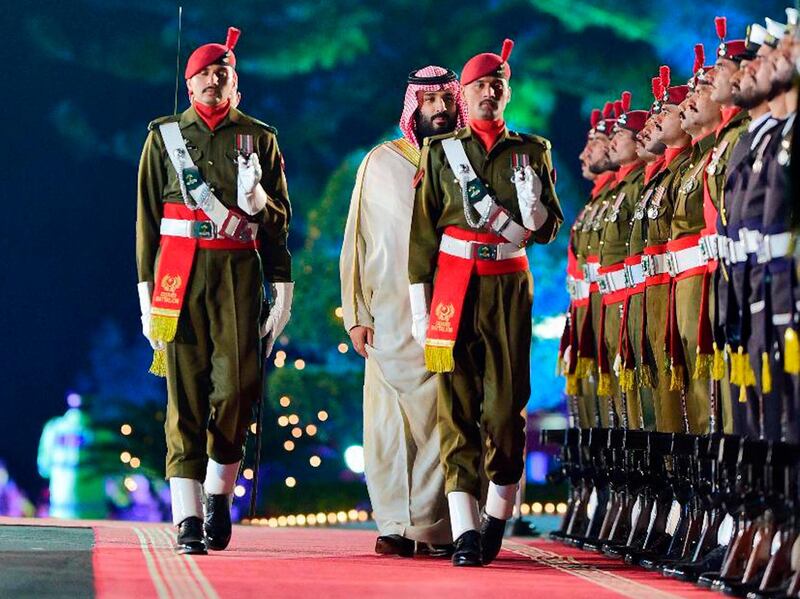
point(404, 476)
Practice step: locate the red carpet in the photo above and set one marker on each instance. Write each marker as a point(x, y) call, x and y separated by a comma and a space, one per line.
point(136, 560)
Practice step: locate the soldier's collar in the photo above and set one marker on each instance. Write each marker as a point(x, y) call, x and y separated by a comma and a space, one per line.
point(190, 117)
point(466, 133)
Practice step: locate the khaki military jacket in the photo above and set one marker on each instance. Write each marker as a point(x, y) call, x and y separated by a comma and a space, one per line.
point(687, 189)
point(638, 236)
point(661, 205)
point(438, 203)
point(717, 167)
point(617, 221)
point(214, 153)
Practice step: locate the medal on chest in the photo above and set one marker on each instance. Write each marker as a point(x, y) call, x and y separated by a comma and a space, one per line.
point(785, 155)
point(655, 203)
point(244, 145)
point(613, 214)
point(641, 206)
point(597, 222)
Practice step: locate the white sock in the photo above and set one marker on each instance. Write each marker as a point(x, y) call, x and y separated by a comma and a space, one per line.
point(463, 512)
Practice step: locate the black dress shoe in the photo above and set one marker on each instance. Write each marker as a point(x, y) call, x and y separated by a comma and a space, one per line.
point(190, 537)
point(431, 550)
point(689, 572)
point(467, 549)
point(492, 531)
point(394, 545)
point(217, 524)
point(707, 579)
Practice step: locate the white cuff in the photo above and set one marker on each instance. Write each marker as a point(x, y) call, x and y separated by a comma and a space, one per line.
point(145, 291)
point(252, 202)
point(420, 296)
point(187, 500)
point(536, 216)
point(220, 478)
point(282, 295)
point(463, 512)
point(500, 501)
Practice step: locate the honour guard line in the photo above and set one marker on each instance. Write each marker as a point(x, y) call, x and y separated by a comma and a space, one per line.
point(680, 349)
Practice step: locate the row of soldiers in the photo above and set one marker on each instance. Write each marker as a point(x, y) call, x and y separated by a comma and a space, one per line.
point(680, 350)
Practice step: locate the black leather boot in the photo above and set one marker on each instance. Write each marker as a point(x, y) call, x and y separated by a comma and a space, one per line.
point(467, 549)
point(190, 537)
point(492, 531)
point(218, 521)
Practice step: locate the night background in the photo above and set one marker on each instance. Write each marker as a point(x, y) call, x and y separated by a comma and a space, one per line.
point(83, 79)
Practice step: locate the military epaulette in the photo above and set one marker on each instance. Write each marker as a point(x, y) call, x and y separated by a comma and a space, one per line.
point(173, 118)
point(254, 121)
point(427, 141)
point(536, 139)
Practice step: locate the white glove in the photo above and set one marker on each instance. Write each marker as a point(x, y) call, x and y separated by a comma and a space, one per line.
point(279, 314)
point(420, 295)
point(251, 197)
point(145, 291)
point(529, 191)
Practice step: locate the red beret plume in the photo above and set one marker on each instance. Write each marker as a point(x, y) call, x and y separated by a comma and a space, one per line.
point(664, 73)
point(617, 109)
point(721, 23)
point(699, 57)
point(608, 110)
point(596, 116)
point(233, 37)
point(658, 88)
point(626, 101)
point(508, 45)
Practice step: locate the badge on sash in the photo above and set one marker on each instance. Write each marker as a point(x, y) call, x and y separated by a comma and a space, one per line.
point(191, 178)
point(244, 145)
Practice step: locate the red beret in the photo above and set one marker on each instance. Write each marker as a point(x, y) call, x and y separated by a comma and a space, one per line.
point(632, 120)
point(488, 64)
point(209, 54)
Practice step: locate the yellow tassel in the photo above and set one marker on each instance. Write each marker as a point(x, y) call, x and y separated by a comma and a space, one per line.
point(572, 384)
point(703, 366)
point(676, 382)
point(737, 374)
point(163, 328)
point(766, 375)
point(791, 352)
point(749, 373)
point(439, 359)
point(742, 394)
point(559, 366)
point(158, 366)
point(585, 367)
point(718, 367)
point(604, 384)
point(628, 380)
point(646, 377)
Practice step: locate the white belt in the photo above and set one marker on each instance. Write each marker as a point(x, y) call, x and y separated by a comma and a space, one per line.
point(480, 251)
point(736, 251)
point(634, 275)
point(751, 239)
point(775, 246)
point(590, 271)
point(581, 289)
point(612, 281)
point(197, 229)
point(654, 264)
point(709, 247)
point(683, 260)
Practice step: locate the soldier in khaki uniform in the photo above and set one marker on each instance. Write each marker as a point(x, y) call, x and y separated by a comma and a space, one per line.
point(699, 117)
point(733, 123)
point(211, 228)
point(589, 250)
point(660, 208)
point(613, 251)
point(485, 192)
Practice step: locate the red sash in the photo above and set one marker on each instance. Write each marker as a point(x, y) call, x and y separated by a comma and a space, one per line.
point(450, 289)
point(173, 272)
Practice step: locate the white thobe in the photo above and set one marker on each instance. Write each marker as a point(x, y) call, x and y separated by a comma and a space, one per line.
point(404, 476)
